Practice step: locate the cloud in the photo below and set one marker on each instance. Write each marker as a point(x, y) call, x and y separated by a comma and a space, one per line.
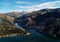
point(15, 11)
point(20, 2)
point(24, 7)
point(3, 11)
point(55, 4)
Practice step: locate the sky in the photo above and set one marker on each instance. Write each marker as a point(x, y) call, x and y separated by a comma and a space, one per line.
point(27, 5)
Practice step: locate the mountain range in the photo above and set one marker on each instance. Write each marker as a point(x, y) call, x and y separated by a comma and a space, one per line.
point(45, 21)
point(7, 26)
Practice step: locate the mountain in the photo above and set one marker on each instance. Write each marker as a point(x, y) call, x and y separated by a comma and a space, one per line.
point(13, 14)
point(16, 14)
point(9, 17)
point(6, 18)
point(45, 21)
point(8, 28)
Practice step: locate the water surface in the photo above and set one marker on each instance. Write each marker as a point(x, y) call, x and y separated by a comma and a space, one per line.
point(33, 37)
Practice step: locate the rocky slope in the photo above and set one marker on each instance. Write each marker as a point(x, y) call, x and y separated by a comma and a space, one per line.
point(13, 14)
point(8, 28)
point(45, 21)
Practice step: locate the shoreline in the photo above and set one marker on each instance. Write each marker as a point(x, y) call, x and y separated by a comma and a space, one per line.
point(12, 35)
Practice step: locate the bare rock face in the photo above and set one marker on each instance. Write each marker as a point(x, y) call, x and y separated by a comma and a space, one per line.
point(46, 21)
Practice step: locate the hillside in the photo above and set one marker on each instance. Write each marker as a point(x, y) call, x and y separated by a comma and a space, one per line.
point(45, 21)
point(8, 28)
point(13, 14)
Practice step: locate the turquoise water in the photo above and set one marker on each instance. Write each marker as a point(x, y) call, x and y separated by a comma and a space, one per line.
point(34, 37)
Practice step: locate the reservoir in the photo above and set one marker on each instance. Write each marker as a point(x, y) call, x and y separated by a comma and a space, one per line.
point(33, 37)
